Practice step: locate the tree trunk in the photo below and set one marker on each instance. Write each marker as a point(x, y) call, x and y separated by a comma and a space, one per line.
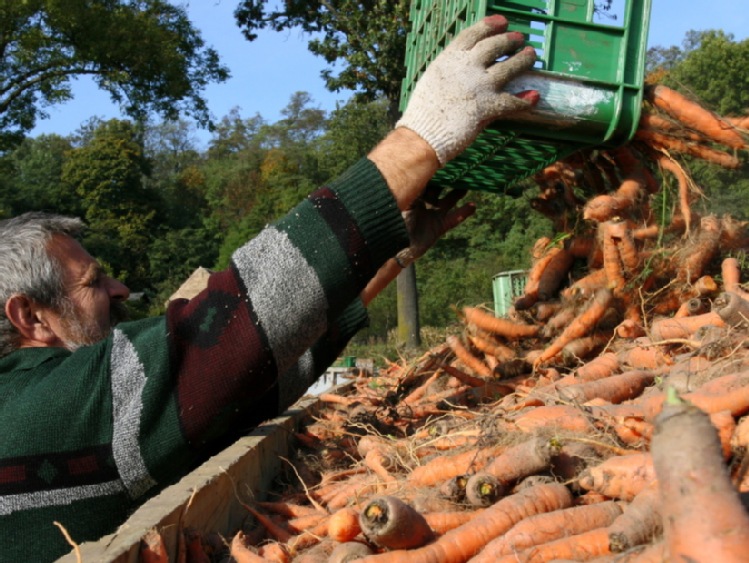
point(409, 329)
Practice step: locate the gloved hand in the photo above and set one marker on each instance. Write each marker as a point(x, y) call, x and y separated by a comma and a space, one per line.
point(460, 92)
point(428, 219)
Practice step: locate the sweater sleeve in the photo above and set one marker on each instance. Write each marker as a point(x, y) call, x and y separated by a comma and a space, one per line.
point(236, 349)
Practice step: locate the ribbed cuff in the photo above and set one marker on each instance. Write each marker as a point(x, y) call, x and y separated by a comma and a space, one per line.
point(366, 195)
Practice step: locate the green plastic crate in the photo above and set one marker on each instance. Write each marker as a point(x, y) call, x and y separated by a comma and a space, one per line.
point(506, 287)
point(589, 72)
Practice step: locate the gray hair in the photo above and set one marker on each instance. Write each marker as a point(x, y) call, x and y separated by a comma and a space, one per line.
point(27, 268)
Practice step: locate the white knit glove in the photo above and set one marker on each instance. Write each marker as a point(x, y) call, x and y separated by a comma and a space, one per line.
point(460, 92)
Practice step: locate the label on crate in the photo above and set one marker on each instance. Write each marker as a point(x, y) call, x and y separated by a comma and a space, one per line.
point(562, 101)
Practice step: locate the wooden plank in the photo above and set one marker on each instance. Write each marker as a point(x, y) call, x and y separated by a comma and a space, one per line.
point(210, 497)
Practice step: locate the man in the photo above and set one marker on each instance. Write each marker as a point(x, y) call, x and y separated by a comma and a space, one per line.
point(95, 420)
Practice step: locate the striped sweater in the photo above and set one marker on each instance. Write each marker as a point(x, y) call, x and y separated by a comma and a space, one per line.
point(90, 435)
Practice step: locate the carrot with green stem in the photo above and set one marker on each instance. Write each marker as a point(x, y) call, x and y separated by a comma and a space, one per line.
point(462, 543)
point(704, 519)
point(580, 326)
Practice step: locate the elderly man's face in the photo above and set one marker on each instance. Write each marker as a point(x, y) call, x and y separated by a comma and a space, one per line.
point(95, 300)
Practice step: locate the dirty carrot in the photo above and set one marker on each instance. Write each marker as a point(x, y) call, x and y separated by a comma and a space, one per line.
point(445, 467)
point(621, 476)
point(528, 457)
point(343, 525)
point(467, 357)
point(496, 325)
point(694, 116)
point(607, 206)
point(580, 547)
point(389, 522)
point(241, 552)
point(683, 327)
point(704, 519)
point(614, 389)
point(549, 526)
point(640, 521)
point(442, 522)
point(349, 551)
point(462, 543)
point(580, 326)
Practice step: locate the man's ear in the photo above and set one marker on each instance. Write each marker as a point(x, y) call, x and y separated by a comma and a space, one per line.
point(30, 321)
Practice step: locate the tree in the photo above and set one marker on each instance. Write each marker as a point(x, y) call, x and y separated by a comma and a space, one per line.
point(108, 177)
point(368, 40)
point(145, 53)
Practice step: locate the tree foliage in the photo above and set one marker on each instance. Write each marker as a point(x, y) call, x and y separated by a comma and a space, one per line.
point(145, 53)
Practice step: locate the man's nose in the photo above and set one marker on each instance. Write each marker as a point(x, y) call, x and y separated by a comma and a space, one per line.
point(118, 291)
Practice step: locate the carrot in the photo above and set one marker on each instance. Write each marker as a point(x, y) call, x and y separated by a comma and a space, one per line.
point(732, 309)
point(675, 168)
point(276, 552)
point(467, 357)
point(418, 393)
point(643, 355)
point(580, 326)
point(580, 547)
point(288, 509)
point(349, 551)
point(503, 327)
point(621, 234)
point(599, 367)
point(389, 522)
point(462, 543)
point(698, 150)
point(612, 263)
point(607, 206)
point(442, 522)
point(277, 532)
point(528, 457)
point(621, 476)
point(554, 274)
point(553, 416)
point(683, 327)
point(731, 274)
point(740, 122)
point(485, 345)
point(585, 347)
point(483, 489)
point(639, 523)
point(445, 467)
point(694, 116)
point(378, 462)
point(343, 525)
point(614, 389)
point(241, 552)
point(547, 527)
point(704, 519)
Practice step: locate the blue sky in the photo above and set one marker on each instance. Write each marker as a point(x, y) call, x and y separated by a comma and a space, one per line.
point(267, 72)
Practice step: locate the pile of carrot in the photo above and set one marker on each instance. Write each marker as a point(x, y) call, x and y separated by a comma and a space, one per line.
point(602, 419)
